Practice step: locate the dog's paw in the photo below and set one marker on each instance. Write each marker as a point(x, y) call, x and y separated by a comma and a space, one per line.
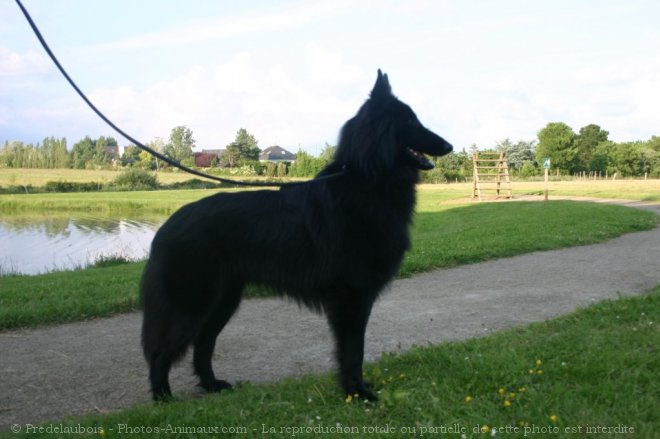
point(363, 392)
point(216, 386)
point(162, 395)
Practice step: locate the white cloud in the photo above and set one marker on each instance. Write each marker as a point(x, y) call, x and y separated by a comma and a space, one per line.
point(19, 64)
point(279, 104)
point(221, 27)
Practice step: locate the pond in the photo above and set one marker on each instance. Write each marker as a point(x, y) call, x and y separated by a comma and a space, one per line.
point(38, 243)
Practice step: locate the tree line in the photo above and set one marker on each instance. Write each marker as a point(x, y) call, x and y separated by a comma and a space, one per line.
point(240, 157)
point(587, 151)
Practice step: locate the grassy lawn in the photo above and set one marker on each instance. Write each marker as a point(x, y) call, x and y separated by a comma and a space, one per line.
point(593, 371)
point(39, 177)
point(443, 236)
point(642, 190)
point(150, 201)
point(168, 201)
point(648, 190)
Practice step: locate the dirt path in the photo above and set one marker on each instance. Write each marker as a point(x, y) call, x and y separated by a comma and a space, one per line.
point(81, 368)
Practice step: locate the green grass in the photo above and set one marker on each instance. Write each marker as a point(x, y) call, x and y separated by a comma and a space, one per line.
point(170, 200)
point(478, 232)
point(595, 368)
point(443, 236)
point(39, 177)
point(164, 202)
point(65, 296)
point(641, 190)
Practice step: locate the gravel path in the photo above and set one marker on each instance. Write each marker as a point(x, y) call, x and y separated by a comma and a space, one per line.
point(86, 367)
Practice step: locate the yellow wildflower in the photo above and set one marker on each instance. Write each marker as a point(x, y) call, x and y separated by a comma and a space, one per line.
point(506, 403)
point(501, 391)
point(485, 428)
point(539, 362)
point(468, 398)
point(554, 418)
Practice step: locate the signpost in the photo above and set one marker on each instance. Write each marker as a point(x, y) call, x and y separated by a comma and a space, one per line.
point(546, 168)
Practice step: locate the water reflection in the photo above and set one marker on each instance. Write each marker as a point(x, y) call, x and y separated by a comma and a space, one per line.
point(36, 243)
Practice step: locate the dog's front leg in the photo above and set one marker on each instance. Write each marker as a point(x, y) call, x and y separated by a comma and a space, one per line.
point(348, 320)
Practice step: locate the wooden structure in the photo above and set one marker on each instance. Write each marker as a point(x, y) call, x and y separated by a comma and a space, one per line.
point(491, 173)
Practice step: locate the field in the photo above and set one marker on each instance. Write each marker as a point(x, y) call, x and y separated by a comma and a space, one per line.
point(643, 190)
point(569, 377)
point(144, 201)
point(168, 201)
point(39, 177)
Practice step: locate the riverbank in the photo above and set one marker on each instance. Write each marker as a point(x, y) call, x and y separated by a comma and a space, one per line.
point(444, 235)
point(166, 202)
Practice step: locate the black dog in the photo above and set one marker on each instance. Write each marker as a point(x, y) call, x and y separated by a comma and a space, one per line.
point(331, 244)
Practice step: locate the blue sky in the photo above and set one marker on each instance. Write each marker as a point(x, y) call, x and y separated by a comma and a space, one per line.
point(292, 72)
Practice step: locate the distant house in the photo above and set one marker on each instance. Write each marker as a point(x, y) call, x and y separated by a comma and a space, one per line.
point(205, 158)
point(112, 151)
point(218, 152)
point(276, 154)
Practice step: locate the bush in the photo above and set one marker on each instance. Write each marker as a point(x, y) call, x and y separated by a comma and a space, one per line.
point(69, 186)
point(195, 183)
point(528, 169)
point(134, 180)
point(245, 170)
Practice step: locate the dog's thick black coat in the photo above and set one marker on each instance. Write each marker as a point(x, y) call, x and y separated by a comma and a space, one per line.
point(331, 245)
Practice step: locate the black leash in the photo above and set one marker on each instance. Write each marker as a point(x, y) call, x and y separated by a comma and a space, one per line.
point(151, 151)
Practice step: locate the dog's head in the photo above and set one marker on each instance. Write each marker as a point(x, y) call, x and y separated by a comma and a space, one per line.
point(386, 134)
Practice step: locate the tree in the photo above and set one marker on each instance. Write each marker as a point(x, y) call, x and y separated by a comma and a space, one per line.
point(60, 153)
point(82, 153)
point(131, 156)
point(244, 148)
point(449, 168)
point(101, 157)
point(180, 144)
point(517, 153)
point(306, 165)
point(473, 149)
point(634, 158)
point(586, 142)
point(328, 153)
point(281, 169)
point(557, 141)
point(601, 159)
point(147, 160)
point(528, 169)
point(654, 143)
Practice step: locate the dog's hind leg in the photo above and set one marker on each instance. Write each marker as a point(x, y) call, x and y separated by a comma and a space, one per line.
point(223, 309)
point(165, 341)
point(348, 321)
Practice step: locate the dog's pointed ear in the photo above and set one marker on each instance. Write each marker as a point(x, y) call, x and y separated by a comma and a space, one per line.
point(382, 87)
